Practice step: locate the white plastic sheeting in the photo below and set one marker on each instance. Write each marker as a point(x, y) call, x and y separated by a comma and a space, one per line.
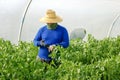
point(96, 16)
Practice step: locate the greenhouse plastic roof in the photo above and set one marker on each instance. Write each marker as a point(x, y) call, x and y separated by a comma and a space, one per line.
point(95, 16)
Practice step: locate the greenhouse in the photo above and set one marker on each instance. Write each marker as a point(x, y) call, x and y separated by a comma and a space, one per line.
point(92, 52)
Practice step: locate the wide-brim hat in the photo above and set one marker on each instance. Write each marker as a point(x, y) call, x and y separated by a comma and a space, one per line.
point(51, 17)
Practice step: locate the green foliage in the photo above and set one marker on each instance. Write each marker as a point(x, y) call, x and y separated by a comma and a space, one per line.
point(82, 60)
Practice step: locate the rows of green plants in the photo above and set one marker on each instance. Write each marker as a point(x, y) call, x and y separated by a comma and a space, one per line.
point(82, 60)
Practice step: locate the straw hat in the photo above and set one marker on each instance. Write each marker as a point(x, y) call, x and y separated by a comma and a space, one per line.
point(51, 17)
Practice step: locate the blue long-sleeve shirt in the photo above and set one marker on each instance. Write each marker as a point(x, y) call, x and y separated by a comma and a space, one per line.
point(58, 36)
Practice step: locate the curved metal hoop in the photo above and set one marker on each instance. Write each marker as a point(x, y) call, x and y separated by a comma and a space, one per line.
point(22, 22)
point(112, 25)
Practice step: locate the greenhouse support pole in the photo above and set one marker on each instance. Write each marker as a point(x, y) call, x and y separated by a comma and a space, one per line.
point(22, 22)
point(112, 25)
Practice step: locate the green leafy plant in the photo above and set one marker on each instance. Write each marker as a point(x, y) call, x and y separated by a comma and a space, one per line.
point(82, 60)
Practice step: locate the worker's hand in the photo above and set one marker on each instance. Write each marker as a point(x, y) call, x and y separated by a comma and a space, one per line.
point(51, 48)
point(43, 44)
